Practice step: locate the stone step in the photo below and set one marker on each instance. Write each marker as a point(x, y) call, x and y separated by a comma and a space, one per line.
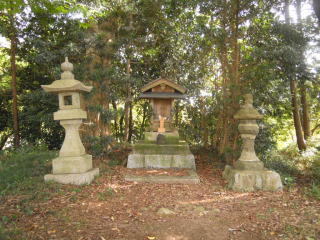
point(191, 178)
point(161, 161)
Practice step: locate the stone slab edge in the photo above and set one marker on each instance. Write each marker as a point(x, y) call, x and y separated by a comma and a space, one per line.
point(192, 178)
point(73, 178)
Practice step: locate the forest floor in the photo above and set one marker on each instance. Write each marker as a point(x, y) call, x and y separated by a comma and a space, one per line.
point(111, 208)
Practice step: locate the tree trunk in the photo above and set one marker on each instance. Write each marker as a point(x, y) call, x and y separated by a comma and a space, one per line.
point(294, 100)
point(144, 118)
point(305, 112)
point(115, 109)
point(230, 59)
point(130, 132)
point(296, 116)
point(304, 95)
point(127, 103)
point(204, 131)
point(13, 49)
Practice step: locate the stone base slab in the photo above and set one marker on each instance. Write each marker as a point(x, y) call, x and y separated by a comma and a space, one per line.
point(161, 161)
point(192, 178)
point(73, 178)
point(252, 180)
point(80, 164)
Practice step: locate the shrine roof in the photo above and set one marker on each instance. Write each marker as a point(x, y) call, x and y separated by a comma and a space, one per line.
point(162, 95)
point(167, 82)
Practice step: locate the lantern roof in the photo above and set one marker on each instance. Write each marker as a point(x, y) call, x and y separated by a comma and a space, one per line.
point(67, 83)
point(247, 111)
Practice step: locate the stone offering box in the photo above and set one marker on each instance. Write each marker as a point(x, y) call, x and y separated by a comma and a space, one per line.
point(161, 147)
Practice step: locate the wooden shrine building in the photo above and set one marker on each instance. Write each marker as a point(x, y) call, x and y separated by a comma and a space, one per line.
point(162, 93)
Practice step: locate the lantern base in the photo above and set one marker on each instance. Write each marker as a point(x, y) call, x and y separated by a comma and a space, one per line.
point(252, 180)
point(73, 178)
point(66, 165)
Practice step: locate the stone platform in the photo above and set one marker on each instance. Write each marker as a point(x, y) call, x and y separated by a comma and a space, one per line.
point(73, 178)
point(171, 153)
point(191, 178)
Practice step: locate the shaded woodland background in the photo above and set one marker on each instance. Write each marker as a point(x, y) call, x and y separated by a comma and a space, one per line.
point(218, 50)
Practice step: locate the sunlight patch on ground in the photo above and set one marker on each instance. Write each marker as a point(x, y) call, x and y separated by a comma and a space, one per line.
point(216, 199)
point(176, 237)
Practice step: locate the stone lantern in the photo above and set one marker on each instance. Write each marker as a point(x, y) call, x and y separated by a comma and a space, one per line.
point(73, 166)
point(248, 173)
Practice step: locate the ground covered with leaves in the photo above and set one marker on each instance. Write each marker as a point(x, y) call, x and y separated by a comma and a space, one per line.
point(111, 208)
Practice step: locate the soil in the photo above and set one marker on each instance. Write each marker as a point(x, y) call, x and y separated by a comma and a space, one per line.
point(111, 208)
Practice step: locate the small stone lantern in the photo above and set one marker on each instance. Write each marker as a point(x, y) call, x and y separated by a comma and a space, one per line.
point(248, 173)
point(73, 166)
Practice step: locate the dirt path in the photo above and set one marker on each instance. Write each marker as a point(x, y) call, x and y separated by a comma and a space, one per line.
point(111, 208)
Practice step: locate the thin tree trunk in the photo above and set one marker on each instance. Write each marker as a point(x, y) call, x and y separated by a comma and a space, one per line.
point(304, 95)
point(127, 103)
point(130, 132)
point(203, 124)
point(121, 124)
point(294, 100)
point(13, 42)
point(296, 116)
point(114, 106)
point(305, 112)
point(144, 118)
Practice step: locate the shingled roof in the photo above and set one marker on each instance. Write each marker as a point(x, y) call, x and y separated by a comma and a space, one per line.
point(160, 81)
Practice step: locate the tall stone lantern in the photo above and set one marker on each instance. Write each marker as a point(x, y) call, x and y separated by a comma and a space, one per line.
point(73, 166)
point(249, 173)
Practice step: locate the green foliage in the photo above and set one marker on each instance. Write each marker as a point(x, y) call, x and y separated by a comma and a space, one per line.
point(265, 142)
point(18, 169)
point(315, 169)
point(290, 163)
point(98, 146)
point(37, 119)
point(314, 191)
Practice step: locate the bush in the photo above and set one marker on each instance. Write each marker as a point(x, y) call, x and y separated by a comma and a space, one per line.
point(290, 163)
point(315, 169)
point(98, 146)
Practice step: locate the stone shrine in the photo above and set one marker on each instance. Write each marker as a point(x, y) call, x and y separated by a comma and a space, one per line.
point(161, 147)
point(73, 166)
point(249, 173)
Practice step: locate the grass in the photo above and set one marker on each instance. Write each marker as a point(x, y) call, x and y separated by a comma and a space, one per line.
point(314, 191)
point(109, 192)
point(23, 170)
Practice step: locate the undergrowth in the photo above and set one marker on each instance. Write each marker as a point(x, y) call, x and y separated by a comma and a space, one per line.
point(292, 164)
